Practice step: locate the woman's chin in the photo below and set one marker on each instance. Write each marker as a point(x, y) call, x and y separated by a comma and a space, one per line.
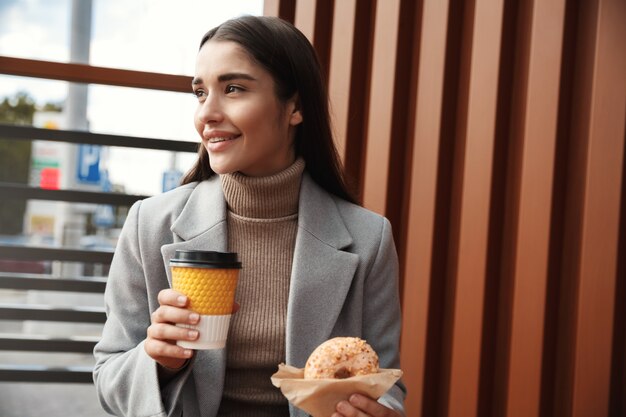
point(222, 169)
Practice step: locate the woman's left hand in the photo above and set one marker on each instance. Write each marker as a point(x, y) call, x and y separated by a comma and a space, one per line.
point(361, 406)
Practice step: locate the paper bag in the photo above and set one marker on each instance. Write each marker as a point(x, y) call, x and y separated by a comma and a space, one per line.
point(319, 397)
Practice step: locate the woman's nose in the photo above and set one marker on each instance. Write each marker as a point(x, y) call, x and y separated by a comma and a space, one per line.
point(210, 111)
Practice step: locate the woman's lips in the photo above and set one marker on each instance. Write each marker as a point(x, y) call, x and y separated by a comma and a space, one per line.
point(222, 139)
point(220, 143)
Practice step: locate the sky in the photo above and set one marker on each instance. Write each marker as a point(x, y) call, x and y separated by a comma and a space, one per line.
point(145, 35)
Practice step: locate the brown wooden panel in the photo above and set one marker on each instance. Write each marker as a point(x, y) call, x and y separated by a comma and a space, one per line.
point(358, 111)
point(305, 18)
point(530, 267)
point(576, 127)
point(81, 73)
point(271, 7)
point(381, 106)
point(403, 121)
point(341, 70)
point(421, 207)
point(315, 19)
point(285, 9)
point(617, 404)
point(475, 170)
point(600, 218)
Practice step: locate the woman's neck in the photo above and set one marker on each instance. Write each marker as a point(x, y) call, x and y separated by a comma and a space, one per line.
point(273, 196)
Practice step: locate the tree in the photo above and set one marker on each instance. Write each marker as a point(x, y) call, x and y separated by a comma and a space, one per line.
point(18, 110)
point(15, 159)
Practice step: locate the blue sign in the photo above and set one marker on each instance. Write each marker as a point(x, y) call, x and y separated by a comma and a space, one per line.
point(104, 216)
point(107, 187)
point(171, 179)
point(88, 164)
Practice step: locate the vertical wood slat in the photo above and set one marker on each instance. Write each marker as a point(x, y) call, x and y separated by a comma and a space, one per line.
point(534, 210)
point(341, 70)
point(285, 9)
point(305, 18)
point(271, 7)
point(314, 18)
point(378, 140)
point(367, 81)
point(586, 22)
point(601, 214)
point(421, 211)
point(473, 228)
point(359, 97)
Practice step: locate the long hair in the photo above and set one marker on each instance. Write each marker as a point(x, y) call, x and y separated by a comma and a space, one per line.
point(292, 62)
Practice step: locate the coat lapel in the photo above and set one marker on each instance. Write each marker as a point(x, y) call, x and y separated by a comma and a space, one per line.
point(321, 274)
point(201, 224)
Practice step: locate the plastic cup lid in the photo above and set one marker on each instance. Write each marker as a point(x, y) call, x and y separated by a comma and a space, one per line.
point(207, 259)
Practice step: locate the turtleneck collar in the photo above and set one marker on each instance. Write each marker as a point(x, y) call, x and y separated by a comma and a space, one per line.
point(268, 197)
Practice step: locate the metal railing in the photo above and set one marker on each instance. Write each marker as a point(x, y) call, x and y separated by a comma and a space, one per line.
point(77, 284)
point(20, 312)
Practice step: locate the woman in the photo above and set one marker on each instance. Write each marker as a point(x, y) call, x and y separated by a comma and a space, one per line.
point(267, 185)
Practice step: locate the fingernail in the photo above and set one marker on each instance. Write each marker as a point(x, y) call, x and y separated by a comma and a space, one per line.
point(354, 398)
point(193, 334)
point(342, 406)
point(194, 317)
point(182, 300)
point(188, 353)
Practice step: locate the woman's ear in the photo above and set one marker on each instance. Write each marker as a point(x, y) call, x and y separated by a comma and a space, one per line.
point(295, 116)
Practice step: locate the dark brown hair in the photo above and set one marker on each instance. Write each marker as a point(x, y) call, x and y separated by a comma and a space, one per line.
point(289, 57)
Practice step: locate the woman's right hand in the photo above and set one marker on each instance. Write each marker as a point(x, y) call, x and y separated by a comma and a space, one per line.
point(163, 333)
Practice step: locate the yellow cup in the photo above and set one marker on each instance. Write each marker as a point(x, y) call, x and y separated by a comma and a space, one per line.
point(209, 280)
point(210, 291)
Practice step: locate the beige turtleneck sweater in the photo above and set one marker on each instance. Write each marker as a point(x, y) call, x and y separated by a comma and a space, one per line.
point(262, 226)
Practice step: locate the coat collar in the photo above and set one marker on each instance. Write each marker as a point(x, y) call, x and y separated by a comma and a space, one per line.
point(206, 209)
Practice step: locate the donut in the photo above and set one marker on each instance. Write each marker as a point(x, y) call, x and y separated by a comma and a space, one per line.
point(341, 357)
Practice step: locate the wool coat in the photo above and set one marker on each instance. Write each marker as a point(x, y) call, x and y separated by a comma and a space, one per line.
point(344, 282)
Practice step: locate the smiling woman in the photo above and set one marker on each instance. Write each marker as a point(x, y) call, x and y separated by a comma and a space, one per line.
point(268, 186)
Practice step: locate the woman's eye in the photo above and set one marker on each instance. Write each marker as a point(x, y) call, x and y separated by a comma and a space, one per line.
point(198, 93)
point(233, 89)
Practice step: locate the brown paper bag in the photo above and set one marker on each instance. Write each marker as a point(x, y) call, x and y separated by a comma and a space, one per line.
point(319, 397)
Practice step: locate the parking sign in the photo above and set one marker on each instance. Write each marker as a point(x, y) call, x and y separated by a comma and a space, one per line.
point(88, 166)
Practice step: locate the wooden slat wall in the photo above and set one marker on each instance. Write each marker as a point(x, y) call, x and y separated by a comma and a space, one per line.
point(492, 134)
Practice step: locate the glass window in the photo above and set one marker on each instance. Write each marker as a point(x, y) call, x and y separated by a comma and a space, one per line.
point(144, 35)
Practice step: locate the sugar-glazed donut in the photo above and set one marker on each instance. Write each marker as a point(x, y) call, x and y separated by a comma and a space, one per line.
point(341, 357)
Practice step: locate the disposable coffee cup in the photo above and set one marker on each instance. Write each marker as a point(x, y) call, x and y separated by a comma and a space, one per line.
point(209, 280)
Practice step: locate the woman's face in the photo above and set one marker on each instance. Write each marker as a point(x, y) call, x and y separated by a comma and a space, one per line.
point(243, 125)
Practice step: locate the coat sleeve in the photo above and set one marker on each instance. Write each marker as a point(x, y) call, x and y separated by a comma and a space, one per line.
point(126, 378)
point(381, 315)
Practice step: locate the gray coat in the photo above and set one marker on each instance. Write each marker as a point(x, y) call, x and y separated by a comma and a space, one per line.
point(344, 282)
